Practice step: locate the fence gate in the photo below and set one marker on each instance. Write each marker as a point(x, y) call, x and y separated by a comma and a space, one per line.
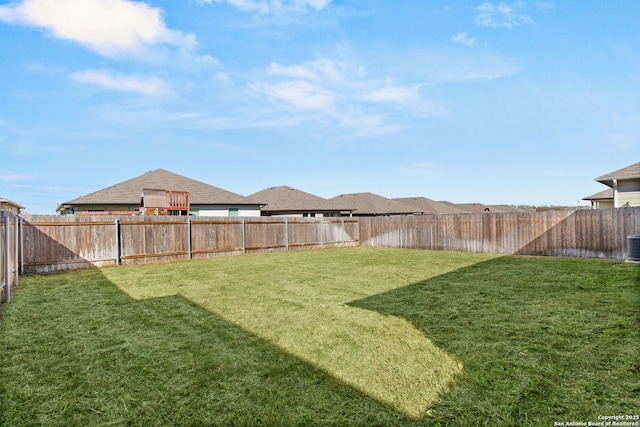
point(9, 253)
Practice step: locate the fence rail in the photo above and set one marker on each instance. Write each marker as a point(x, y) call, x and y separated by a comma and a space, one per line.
point(70, 242)
point(10, 226)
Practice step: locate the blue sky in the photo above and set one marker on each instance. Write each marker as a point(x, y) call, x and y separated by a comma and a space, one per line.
point(520, 102)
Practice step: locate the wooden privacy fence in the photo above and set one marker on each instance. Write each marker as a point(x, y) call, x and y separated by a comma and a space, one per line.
point(67, 242)
point(600, 233)
point(70, 242)
point(10, 226)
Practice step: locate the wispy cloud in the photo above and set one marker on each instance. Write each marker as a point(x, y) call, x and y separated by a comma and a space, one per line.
point(274, 6)
point(6, 175)
point(108, 27)
point(341, 94)
point(392, 93)
point(464, 39)
point(299, 94)
point(321, 69)
point(108, 79)
point(502, 15)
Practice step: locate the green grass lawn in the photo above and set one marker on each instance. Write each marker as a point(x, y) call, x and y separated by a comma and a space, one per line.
point(357, 336)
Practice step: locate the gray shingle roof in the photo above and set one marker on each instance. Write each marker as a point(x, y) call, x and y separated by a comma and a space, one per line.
point(630, 172)
point(481, 208)
point(284, 198)
point(429, 206)
point(373, 204)
point(603, 195)
point(130, 191)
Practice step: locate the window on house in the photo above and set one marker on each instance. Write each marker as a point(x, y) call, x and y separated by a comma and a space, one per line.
point(234, 211)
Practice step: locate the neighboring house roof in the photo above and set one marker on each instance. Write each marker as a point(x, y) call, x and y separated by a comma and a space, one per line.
point(130, 191)
point(373, 204)
point(603, 195)
point(481, 208)
point(284, 198)
point(630, 172)
point(505, 208)
point(472, 207)
point(468, 207)
point(7, 202)
point(429, 206)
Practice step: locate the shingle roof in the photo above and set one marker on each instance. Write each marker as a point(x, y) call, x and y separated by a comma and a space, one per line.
point(603, 195)
point(630, 172)
point(372, 204)
point(284, 198)
point(130, 191)
point(481, 208)
point(504, 208)
point(472, 207)
point(429, 206)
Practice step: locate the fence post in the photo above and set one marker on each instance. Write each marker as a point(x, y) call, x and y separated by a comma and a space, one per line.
point(342, 232)
point(244, 238)
point(16, 250)
point(118, 249)
point(21, 228)
point(189, 237)
point(286, 232)
point(5, 255)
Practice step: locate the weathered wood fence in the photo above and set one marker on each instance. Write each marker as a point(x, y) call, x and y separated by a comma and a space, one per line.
point(52, 243)
point(600, 233)
point(69, 242)
point(9, 253)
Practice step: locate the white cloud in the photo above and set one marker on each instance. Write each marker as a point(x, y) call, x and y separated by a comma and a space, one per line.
point(152, 86)
point(274, 6)
point(109, 27)
point(501, 15)
point(298, 94)
point(342, 97)
point(464, 39)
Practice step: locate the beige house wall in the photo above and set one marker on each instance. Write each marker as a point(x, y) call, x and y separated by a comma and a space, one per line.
point(630, 197)
point(628, 192)
point(603, 204)
point(7, 205)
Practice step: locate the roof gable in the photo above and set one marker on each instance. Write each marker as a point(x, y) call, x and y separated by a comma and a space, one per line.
point(130, 191)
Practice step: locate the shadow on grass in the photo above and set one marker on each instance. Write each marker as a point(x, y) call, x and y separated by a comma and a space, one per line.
point(78, 351)
point(542, 340)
